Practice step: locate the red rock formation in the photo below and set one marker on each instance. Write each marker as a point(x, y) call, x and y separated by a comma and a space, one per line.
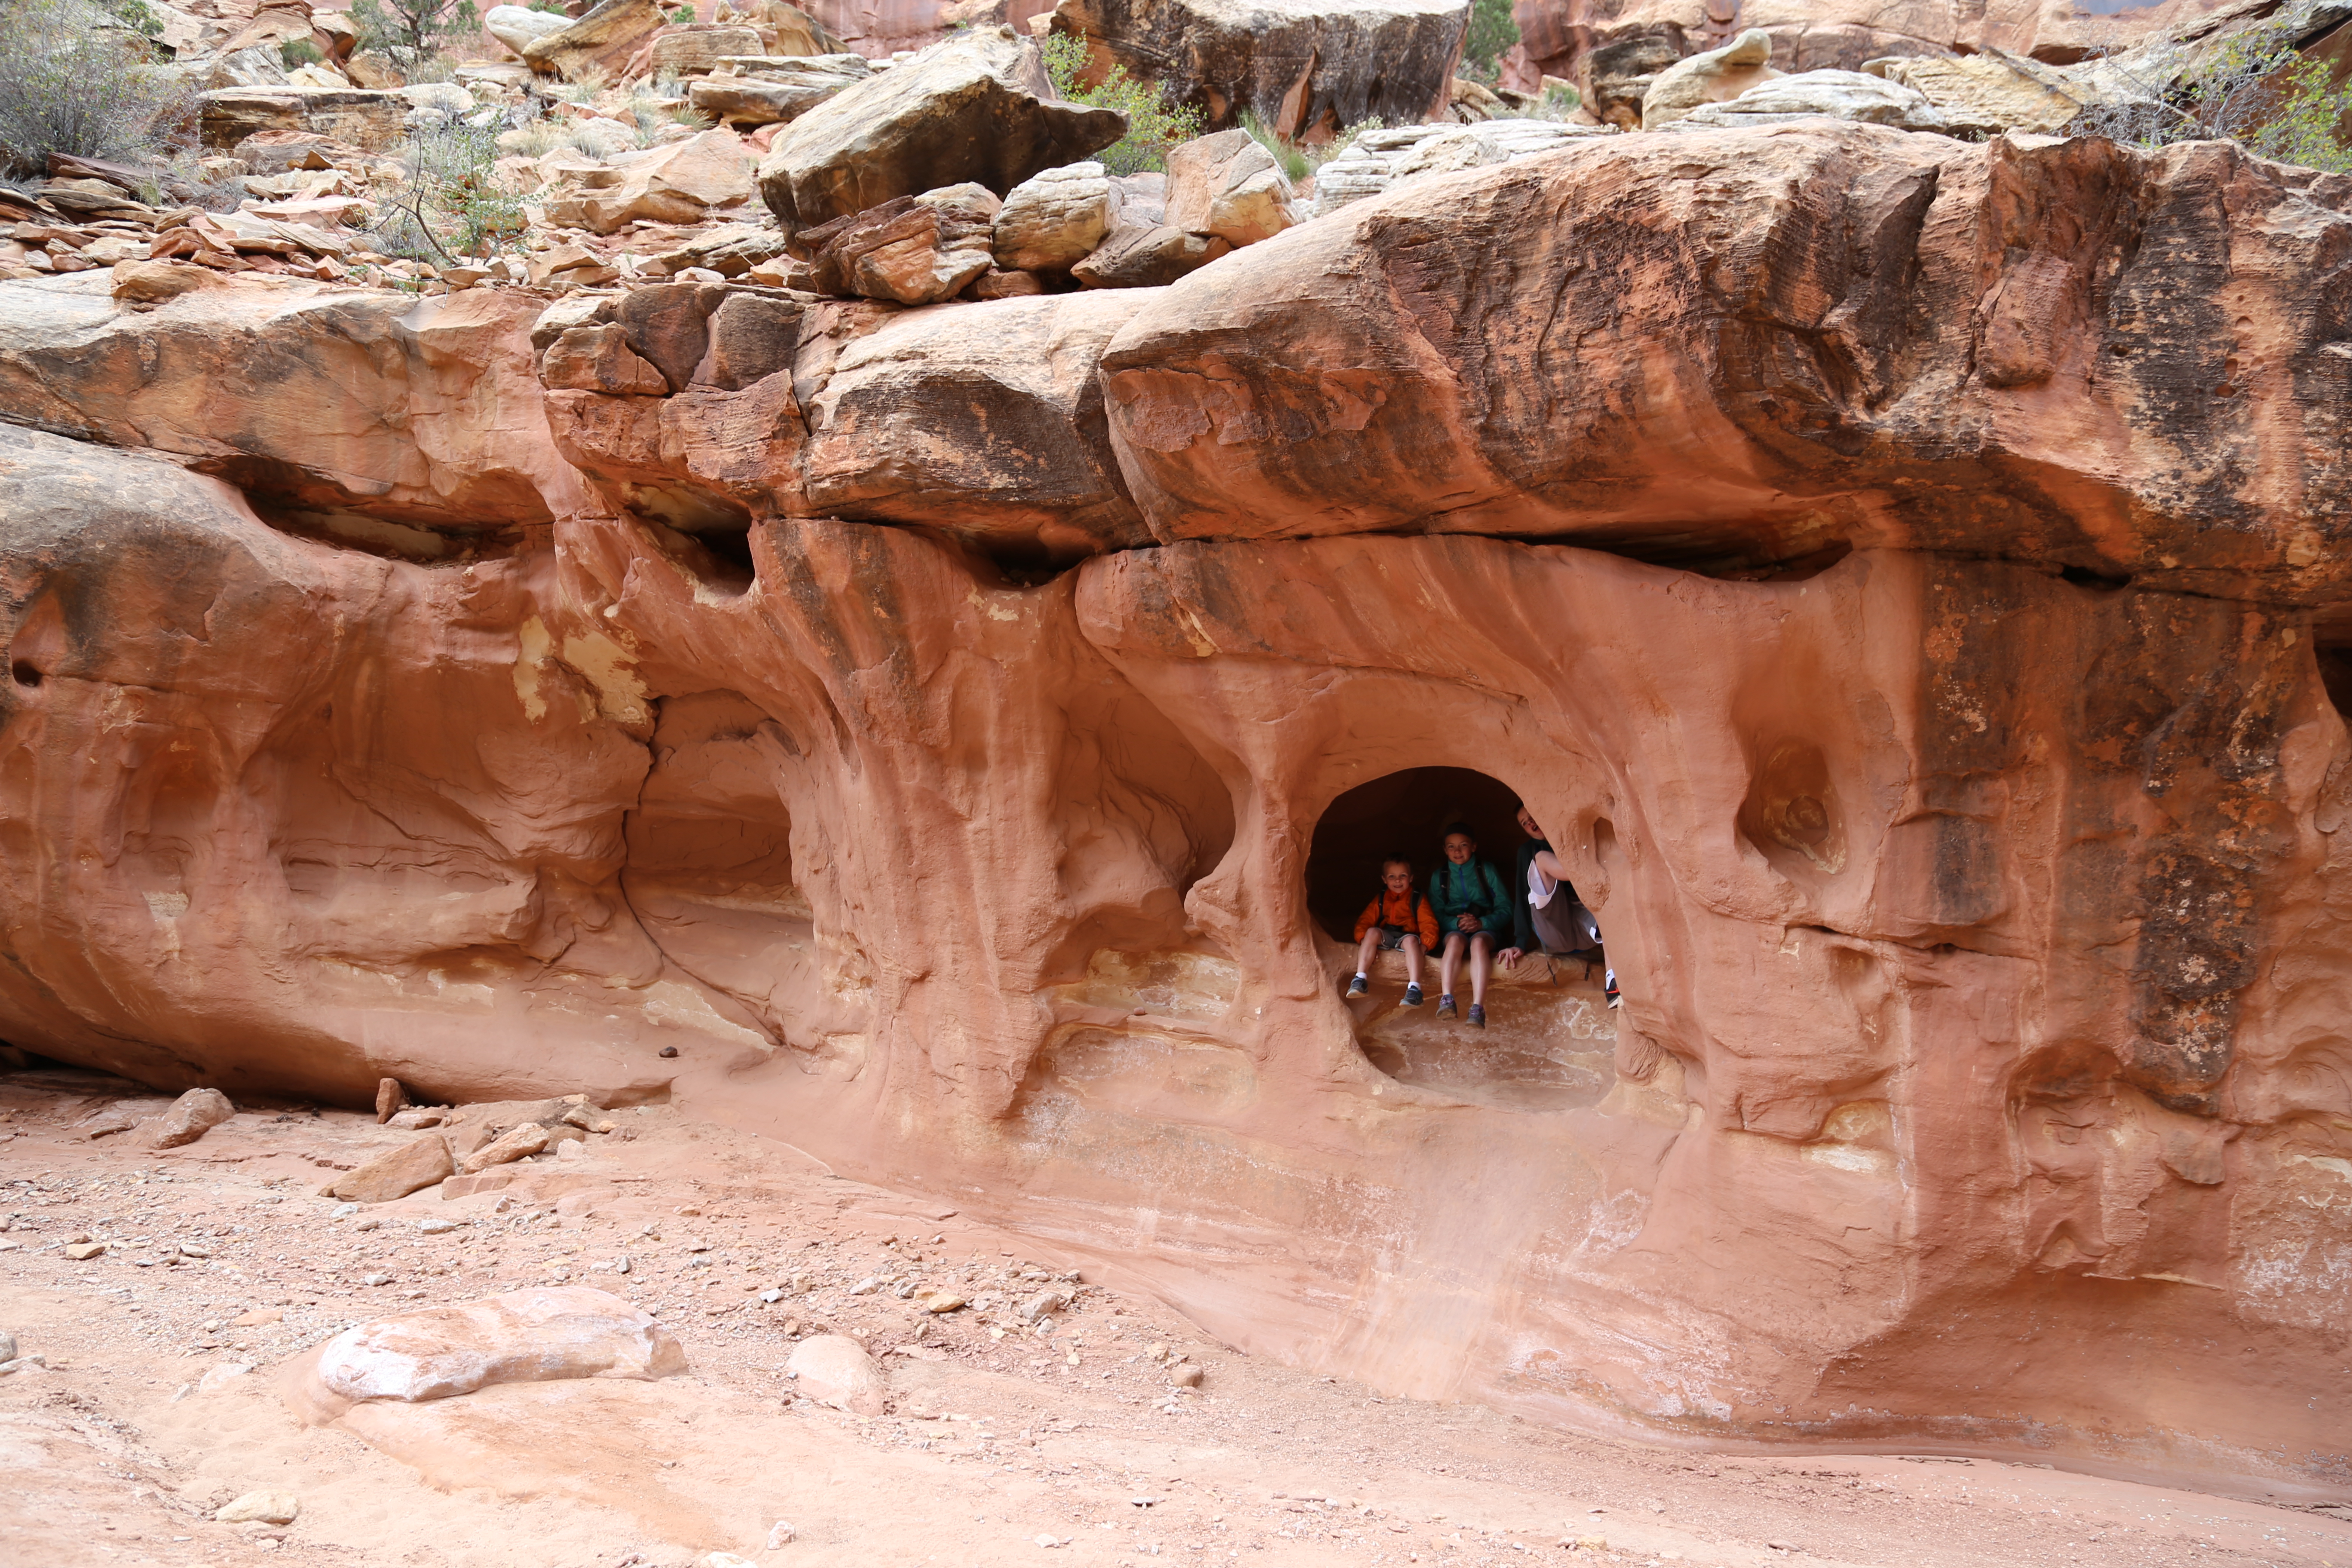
point(1903, 578)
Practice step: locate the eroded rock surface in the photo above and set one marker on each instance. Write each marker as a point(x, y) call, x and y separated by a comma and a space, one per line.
point(1905, 579)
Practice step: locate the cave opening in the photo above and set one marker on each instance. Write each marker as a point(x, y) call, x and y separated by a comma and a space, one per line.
point(1549, 1034)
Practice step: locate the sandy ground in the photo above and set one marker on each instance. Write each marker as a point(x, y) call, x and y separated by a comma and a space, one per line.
point(1000, 1437)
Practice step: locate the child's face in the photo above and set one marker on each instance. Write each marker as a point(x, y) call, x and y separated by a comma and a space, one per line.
point(1459, 847)
point(1397, 875)
point(1528, 823)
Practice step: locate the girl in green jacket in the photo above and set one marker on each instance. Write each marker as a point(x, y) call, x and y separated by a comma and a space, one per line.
point(1474, 914)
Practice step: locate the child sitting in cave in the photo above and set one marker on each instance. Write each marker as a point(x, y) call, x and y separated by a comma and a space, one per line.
point(1397, 918)
point(1551, 919)
point(1475, 913)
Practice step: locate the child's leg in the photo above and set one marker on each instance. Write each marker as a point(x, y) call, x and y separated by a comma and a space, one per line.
point(1482, 958)
point(1366, 949)
point(1413, 958)
point(1449, 961)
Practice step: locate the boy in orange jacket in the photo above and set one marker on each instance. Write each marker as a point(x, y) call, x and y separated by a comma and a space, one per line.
point(1398, 916)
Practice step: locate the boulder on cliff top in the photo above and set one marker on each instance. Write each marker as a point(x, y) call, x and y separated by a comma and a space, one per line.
point(1227, 185)
point(597, 46)
point(1714, 76)
point(685, 183)
point(916, 250)
point(1301, 65)
point(524, 1336)
point(1834, 94)
point(1705, 365)
point(520, 26)
point(978, 109)
point(769, 91)
point(1054, 218)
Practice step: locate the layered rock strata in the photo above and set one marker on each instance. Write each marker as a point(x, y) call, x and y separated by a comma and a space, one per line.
point(1907, 580)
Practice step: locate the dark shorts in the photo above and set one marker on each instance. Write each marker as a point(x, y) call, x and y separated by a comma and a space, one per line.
point(1496, 942)
point(1392, 938)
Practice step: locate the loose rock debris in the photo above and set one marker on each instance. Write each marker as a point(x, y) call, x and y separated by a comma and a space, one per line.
point(144, 1390)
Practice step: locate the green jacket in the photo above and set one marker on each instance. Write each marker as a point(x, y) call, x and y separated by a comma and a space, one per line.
point(1475, 889)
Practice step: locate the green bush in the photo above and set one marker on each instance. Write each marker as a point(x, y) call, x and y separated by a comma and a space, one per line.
point(2253, 89)
point(1492, 32)
point(413, 31)
point(1155, 122)
point(451, 201)
point(1298, 160)
point(295, 52)
point(69, 84)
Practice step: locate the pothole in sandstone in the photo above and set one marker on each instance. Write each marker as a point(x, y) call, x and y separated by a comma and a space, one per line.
point(1550, 1037)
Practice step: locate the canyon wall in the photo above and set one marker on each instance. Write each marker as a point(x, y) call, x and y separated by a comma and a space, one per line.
point(1906, 580)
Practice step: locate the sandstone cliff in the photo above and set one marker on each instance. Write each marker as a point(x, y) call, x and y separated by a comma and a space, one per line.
point(1906, 578)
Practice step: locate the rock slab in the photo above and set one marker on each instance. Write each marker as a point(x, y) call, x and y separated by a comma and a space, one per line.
point(524, 1336)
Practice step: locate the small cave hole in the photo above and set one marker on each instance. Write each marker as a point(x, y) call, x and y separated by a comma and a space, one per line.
point(1549, 1034)
point(25, 673)
point(2096, 581)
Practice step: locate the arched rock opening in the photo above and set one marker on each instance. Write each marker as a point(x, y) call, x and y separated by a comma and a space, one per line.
point(1549, 1037)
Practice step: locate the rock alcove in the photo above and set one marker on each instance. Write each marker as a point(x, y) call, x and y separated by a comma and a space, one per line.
point(1548, 1037)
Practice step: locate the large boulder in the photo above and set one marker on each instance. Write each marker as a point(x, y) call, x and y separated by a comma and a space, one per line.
point(685, 183)
point(1465, 353)
point(978, 109)
point(192, 1116)
point(1714, 76)
point(369, 119)
point(1303, 66)
point(1227, 185)
point(1374, 160)
point(520, 26)
point(985, 420)
point(1053, 219)
point(1836, 94)
point(916, 250)
point(524, 1336)
point(597, 46)
point(763, 91)
point(1985, 94)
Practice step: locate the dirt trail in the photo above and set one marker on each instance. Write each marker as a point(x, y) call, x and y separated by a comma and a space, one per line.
point(999, 1435)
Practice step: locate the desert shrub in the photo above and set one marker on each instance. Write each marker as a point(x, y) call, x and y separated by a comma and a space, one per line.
point(1490, 35)
point(1155, 122)
point(412, 32)
point(2253, 89)
point(451, 201)
point(295, 52)
point(69, 83)
point(1297, 160)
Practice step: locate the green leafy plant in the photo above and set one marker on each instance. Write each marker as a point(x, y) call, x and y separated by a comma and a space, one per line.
point(2254, 90)
point(1492, 32)
point(1155, 122)
point(68, 85)
point(451, 201)
point(137, 16)
point(297, 52)
point(413, 31)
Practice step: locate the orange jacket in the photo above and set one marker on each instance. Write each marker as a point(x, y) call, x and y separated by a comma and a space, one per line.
point(1399, 910)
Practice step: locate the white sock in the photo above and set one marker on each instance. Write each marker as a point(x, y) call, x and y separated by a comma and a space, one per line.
point(1362, 976)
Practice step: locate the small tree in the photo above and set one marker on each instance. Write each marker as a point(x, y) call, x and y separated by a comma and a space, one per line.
point(1492, 32)
point(1155, 122)
point(2254, 90)
point(409, 31)
point(451, 201)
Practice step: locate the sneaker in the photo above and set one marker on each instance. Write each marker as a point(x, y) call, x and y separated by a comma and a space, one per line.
point(1478, 1016)
point(1358, 986)
point(1445, 1008)
point(1609, 989)
point(1413, 995)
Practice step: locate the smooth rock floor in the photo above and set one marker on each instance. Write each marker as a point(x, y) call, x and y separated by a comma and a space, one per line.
point(998, 1436)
